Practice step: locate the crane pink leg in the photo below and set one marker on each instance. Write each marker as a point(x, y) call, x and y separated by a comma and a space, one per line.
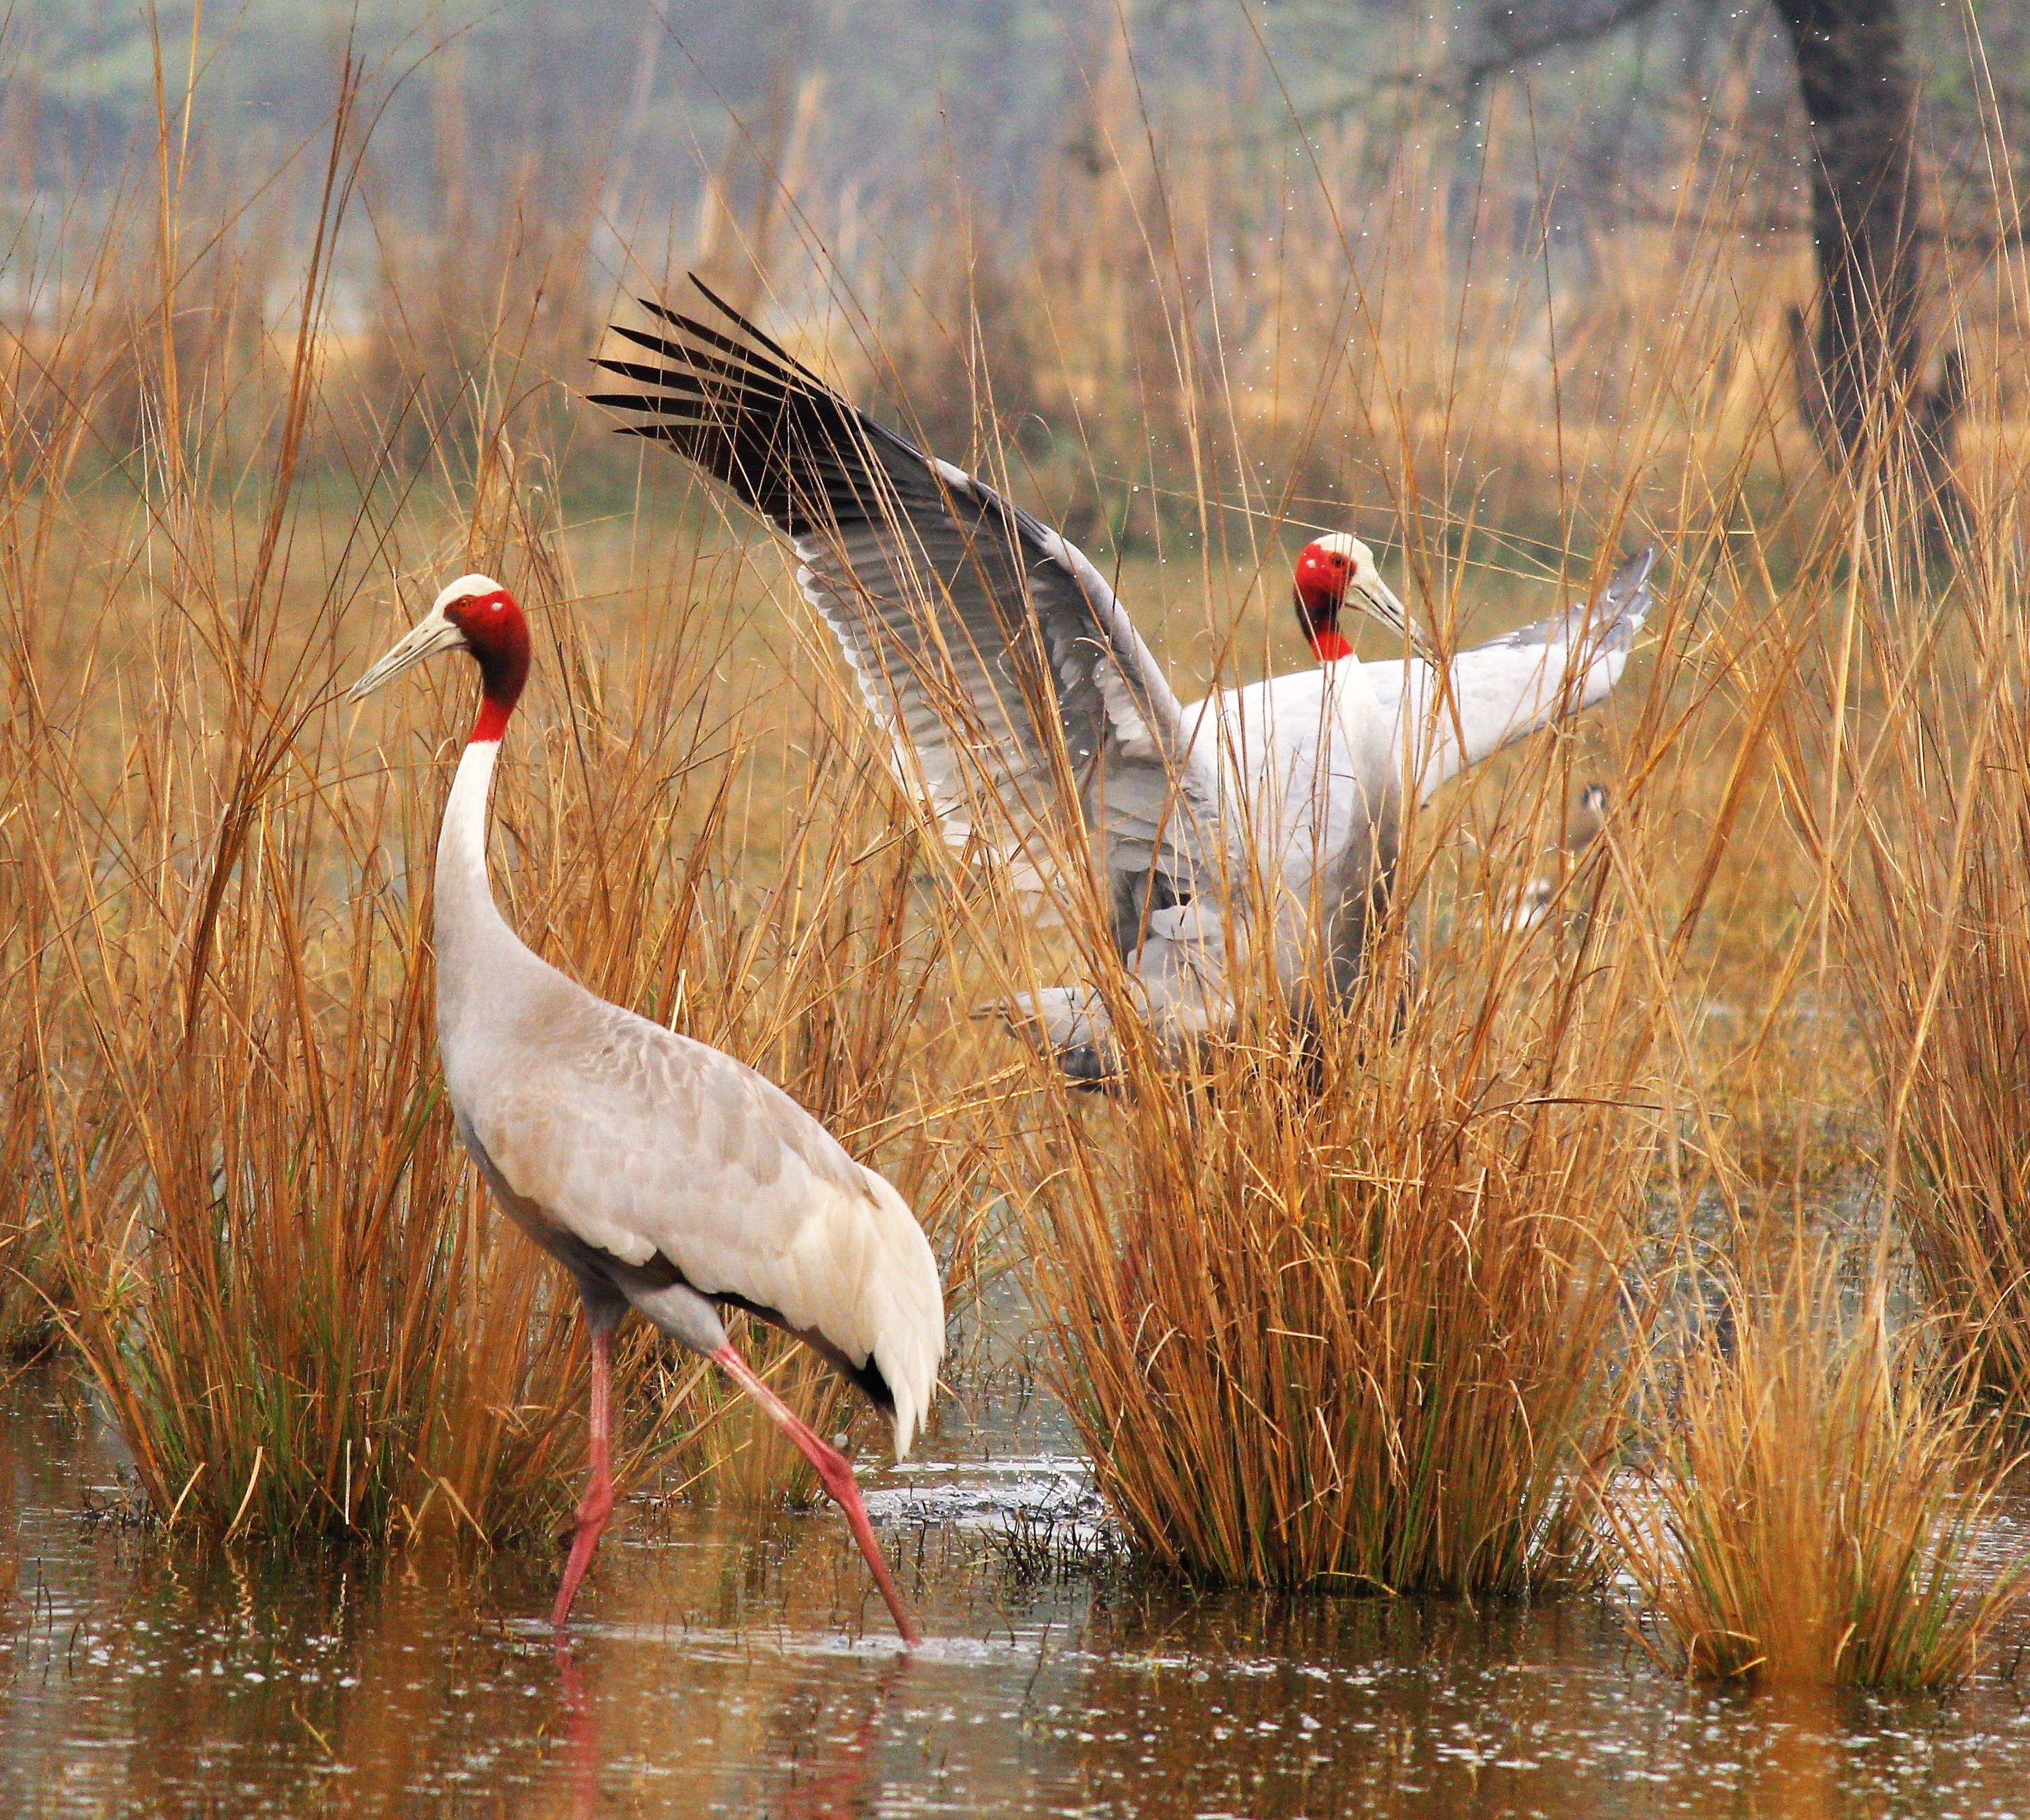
point(836, 1473)
point(597, 1504)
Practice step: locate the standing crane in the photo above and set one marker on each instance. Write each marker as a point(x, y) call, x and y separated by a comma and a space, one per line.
point(665, 1176)
point(1020, 699)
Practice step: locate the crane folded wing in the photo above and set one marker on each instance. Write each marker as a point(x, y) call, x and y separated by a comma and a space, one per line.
point(681, 1155)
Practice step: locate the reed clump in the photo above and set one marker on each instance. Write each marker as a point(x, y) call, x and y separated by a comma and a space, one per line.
point(1937, 933)
point(277, 1272)
point(1811, 1514)
point(1333, 1298)
point(1341, 1325)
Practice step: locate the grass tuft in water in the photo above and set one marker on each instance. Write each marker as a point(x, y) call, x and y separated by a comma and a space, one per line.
point(1813, 1514)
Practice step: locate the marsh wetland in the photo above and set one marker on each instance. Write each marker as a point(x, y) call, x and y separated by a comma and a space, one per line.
point(719, 1667)
point(1578, 1366)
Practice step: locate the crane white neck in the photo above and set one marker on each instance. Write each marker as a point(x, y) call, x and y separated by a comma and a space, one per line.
point(491, 627)
point(462, 838)
point(473, 937)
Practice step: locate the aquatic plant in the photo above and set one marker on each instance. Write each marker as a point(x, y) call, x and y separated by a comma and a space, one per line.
point(1813, 1511)
point(1936, 930)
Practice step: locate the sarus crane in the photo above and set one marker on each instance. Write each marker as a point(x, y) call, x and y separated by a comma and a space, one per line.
point(1022, 705)
point(665, 1176)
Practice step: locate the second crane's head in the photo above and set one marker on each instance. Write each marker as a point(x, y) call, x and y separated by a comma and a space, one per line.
point(476, 614)
point(1336, 572)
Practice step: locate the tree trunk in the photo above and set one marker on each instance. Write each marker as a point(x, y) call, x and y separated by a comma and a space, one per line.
point(1860, 377)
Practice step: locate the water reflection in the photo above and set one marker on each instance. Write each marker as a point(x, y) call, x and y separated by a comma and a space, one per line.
point(727, 1667)
point(739, 1727)
point(1797, 1774)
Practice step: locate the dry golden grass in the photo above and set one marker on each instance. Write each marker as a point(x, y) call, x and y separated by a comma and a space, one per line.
point(1811, 1514)
point(1935, 920)
point(1348, 1337)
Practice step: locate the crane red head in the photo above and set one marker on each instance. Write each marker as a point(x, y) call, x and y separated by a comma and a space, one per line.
point(1334, 572)
point(474, 614)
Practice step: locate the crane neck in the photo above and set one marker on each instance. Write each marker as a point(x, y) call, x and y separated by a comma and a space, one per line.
point(462, 838)
point(465, 909)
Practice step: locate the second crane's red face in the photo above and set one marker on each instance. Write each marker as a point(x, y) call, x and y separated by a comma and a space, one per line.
point(497, 634)
point(1323, 576)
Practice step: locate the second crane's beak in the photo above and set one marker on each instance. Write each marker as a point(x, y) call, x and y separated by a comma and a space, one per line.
point(1375, 598)
point(433, 633)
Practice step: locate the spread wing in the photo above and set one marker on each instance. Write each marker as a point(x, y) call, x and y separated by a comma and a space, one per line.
point(1513, 684)
point(1017, 694)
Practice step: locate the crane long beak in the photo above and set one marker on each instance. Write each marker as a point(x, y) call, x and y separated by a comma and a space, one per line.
point(1378, 600)
point(433, 633)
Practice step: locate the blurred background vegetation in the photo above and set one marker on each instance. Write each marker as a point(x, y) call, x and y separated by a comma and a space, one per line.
point(937, 191)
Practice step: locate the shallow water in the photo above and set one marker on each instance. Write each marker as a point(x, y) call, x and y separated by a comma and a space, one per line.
point(727, 1666)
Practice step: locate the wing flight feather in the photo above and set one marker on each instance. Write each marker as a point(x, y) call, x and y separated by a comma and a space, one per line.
point(1510, 686)
point(1015, 690)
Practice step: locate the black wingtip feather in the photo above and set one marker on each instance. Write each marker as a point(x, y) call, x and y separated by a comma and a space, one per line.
point(641, 401)
point(747, 327)
point(742, 409)
point(751, 333)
